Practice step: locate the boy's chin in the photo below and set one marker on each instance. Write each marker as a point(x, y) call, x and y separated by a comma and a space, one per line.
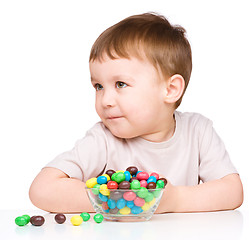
point(122, 134)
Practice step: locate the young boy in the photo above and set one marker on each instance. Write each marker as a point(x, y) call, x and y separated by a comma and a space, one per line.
point(140, 69)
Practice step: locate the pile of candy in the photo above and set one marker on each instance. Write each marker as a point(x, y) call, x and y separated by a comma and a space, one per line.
point(60, 218)
point(125, 192)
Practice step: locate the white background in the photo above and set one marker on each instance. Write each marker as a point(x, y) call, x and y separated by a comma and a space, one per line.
point(46, 99)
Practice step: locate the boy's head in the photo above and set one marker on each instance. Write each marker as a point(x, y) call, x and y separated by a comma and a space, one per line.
point(148, 36)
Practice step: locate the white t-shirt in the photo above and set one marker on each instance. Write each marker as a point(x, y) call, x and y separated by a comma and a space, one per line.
point(195, 152)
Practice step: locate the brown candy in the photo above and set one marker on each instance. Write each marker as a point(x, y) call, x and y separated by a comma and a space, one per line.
point(116, 195)
point(60, 218)
point(124, 185)
point(151, 185)
point(164, 180)
point(110, 172)
point(133, 170)
point(37, 220)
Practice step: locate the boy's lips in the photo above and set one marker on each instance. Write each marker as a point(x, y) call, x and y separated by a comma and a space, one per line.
point(113, 117)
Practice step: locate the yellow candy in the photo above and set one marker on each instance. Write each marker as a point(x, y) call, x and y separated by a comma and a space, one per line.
point(146, 206)
point(125, 211)
point(76, 220)
point(104, 190)
point(120, 171)
point(90, 183)
point(107, 176)
point(152, 202)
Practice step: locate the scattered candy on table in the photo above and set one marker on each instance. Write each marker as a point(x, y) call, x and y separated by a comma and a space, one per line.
point(37, 220)
point(98, 218)
point(125, 192)
point(76, 220)
point(60, 218)
point(85, 216)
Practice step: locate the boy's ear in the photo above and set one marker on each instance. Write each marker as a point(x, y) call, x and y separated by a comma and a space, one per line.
point(174, 88)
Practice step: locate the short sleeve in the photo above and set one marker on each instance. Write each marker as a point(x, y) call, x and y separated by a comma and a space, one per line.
point(214, 160)
point(88, 157)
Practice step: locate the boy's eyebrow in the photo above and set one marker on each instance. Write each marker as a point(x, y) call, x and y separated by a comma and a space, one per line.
point(116, 77)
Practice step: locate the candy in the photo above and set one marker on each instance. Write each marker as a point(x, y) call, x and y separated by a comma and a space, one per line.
point(139, 201)
point(121, 203)
point(60, 218)
point(142, 176)
point(110, 172)
point(151, 185)
point(85, 216)
point(37, 220)
point(101, 179)
point(118, 177)
point(142, 192)
point(125, 192)
point(104, 190)
point(125, 211)
point(129, 196)
point(156, 175)
point(112, 185)
point(135, 184)
point(91, 182)
point(133, 170)
point(20, 221)
point(124, 185)
point(160, 184)
point(98, 218)
point(27, 218)
point(76, 220)
point(111, 203)
point(151, 179)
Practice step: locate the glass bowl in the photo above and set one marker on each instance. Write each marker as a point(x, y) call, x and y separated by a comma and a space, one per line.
point(125, 204)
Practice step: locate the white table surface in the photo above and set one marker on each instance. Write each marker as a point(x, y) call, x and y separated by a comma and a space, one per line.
point(202, 226)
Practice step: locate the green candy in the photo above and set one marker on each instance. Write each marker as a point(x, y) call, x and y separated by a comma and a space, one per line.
point(98, 218)
point(157, 192)
point(149, 197)
point(21, 221)
point(27, 218)
point(160, 184)
point(95, 189)
point(135, 184)
point(142, 192)
point(85, 216)
point(119, 177)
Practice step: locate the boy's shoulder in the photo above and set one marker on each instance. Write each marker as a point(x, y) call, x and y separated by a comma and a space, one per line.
point(192, 119)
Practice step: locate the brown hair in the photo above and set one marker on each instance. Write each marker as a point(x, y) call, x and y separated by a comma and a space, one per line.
point(150, 35)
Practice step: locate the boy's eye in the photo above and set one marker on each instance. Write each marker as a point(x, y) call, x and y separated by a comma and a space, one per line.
point(98, 86)
point(120, 84)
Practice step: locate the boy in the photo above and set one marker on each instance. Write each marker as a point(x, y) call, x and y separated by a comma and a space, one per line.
point(140, 69)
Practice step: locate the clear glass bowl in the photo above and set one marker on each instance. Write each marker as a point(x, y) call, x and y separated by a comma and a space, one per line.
point(125, 204)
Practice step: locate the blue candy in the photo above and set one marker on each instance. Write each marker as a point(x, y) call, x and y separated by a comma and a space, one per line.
point(151, 179)
point(103, 198)
point(127, 176)
point(102, 180)
point(130, 204)
point(111, 203)
point(136, 210)
point(121, 203)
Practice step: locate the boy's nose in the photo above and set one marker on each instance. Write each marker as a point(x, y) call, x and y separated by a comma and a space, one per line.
point(108, 99)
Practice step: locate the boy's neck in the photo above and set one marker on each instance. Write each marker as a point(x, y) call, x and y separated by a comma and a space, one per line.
point(164, 134)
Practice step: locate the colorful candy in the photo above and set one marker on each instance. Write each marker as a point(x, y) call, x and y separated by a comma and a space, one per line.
point(85, 216)
point(125, 192)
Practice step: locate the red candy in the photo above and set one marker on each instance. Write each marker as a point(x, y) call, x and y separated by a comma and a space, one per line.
point(112, 185)
point(139, 201)
point(129, 196)
point(156, 175)
point(143, 183)
point(142, 176)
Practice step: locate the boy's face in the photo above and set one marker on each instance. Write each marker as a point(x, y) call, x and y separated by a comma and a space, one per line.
point(129, 96)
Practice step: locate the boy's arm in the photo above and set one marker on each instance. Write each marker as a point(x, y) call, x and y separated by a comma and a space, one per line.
point(53, 191)
point(222, 194)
